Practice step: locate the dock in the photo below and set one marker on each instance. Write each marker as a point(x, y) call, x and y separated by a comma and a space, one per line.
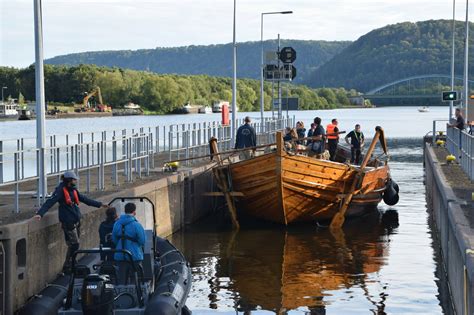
point(450, 198)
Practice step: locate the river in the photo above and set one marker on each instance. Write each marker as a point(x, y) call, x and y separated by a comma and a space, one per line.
point(380, 264)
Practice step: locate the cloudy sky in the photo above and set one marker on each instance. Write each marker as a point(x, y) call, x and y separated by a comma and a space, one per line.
point(86, 25)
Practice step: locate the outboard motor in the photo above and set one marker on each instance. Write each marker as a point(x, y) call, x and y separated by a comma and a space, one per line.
point(390, 195)
point(97, 295)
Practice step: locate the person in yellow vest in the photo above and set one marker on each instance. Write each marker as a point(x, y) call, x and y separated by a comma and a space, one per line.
point(333, 138)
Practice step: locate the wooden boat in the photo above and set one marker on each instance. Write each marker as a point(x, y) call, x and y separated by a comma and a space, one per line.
point(286, 188)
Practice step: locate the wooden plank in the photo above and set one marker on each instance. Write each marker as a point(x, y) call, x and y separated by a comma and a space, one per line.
point(253, 178)
point(325, 169)
point(256, 183)
point(318, 163)
point(289, 167)
point(249, 193)
point(311, 192)
point(306, 183)
point(238, 174)
point(312, 179)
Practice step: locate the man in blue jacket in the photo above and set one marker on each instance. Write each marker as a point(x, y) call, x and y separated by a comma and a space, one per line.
point(69, 198)
point(246, 138)
point(128, 234)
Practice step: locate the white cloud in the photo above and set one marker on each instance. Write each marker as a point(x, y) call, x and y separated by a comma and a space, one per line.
point(87, 25)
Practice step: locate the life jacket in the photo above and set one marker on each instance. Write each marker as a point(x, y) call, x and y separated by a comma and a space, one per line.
point(330, 130)
point(67, 197)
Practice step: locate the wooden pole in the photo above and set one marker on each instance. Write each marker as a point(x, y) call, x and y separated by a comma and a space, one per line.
point(339, 217)
point(223, 183)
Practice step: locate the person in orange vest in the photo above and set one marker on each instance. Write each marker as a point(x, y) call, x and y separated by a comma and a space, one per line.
point(333, 138)
point(69, 198)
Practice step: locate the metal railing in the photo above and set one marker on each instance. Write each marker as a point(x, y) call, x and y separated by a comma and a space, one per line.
point(461, 145)
point(114, 154)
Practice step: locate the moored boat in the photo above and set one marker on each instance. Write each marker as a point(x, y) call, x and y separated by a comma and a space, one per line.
point(286, 187)
point(205, 110)
point(423, 109)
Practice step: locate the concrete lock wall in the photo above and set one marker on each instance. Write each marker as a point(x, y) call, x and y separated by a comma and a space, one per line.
point(455, 236)
point(34, 252)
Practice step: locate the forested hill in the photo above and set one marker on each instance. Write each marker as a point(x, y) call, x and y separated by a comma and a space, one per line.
point(213, 60)
point(394, 52)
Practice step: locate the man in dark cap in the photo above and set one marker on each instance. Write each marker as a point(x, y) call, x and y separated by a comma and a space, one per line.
point(246, 138)
point(69, 198)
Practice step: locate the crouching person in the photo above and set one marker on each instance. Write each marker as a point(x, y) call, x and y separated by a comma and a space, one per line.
point(69, 198)
point(128, 234)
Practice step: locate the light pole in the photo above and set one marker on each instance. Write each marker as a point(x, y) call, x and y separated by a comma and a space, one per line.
point(40, 102)
point(3, 88)
point(234, 82)
point(262, 100)
point(451, 103)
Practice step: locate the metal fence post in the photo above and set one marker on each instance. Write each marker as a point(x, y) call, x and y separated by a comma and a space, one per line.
point(81, 155)
point(187, 133)
point(149, 153)
point(104, 143)
point(76, 157)
point(130, 160)
point(114, 159)
point(170, 135)
point(22, 157)
point(139, 155)
point(97, 149)
point(88, 171)
point(16, 162)
point(103, 158)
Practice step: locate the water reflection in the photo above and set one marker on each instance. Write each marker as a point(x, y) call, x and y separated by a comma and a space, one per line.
point(299, 267)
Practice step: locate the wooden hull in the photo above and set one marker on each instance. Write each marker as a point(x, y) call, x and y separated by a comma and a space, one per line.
point(287, 188)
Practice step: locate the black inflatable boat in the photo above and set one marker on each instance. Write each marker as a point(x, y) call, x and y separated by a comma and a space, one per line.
point(159, 286)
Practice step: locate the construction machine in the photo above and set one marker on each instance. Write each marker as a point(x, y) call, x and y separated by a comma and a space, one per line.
point(100, 107)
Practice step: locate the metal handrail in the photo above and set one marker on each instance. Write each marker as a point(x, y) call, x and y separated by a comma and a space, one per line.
point(131, 151)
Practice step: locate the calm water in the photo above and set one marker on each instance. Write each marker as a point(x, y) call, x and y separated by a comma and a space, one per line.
point(377, 266)
point(397, 121)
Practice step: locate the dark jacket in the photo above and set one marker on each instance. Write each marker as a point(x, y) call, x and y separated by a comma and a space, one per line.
point(134, 237)
point(68, 214)
point(246, 137)
point(106, 228)
point(301, 134)
point(310, 134)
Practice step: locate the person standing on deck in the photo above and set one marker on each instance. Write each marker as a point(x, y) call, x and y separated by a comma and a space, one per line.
point(128, 234)
point(357, 142)
point(460, 122)
point(317, 139)
point(68, 197)
point(333, 138)
point(246, 138)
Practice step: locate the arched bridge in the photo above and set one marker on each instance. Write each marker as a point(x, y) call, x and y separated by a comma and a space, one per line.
point(407, 89)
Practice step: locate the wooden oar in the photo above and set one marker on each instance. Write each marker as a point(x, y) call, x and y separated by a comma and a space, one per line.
point(339, 217)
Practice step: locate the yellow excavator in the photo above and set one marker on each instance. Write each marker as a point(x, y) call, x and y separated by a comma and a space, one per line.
point(100, 107)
